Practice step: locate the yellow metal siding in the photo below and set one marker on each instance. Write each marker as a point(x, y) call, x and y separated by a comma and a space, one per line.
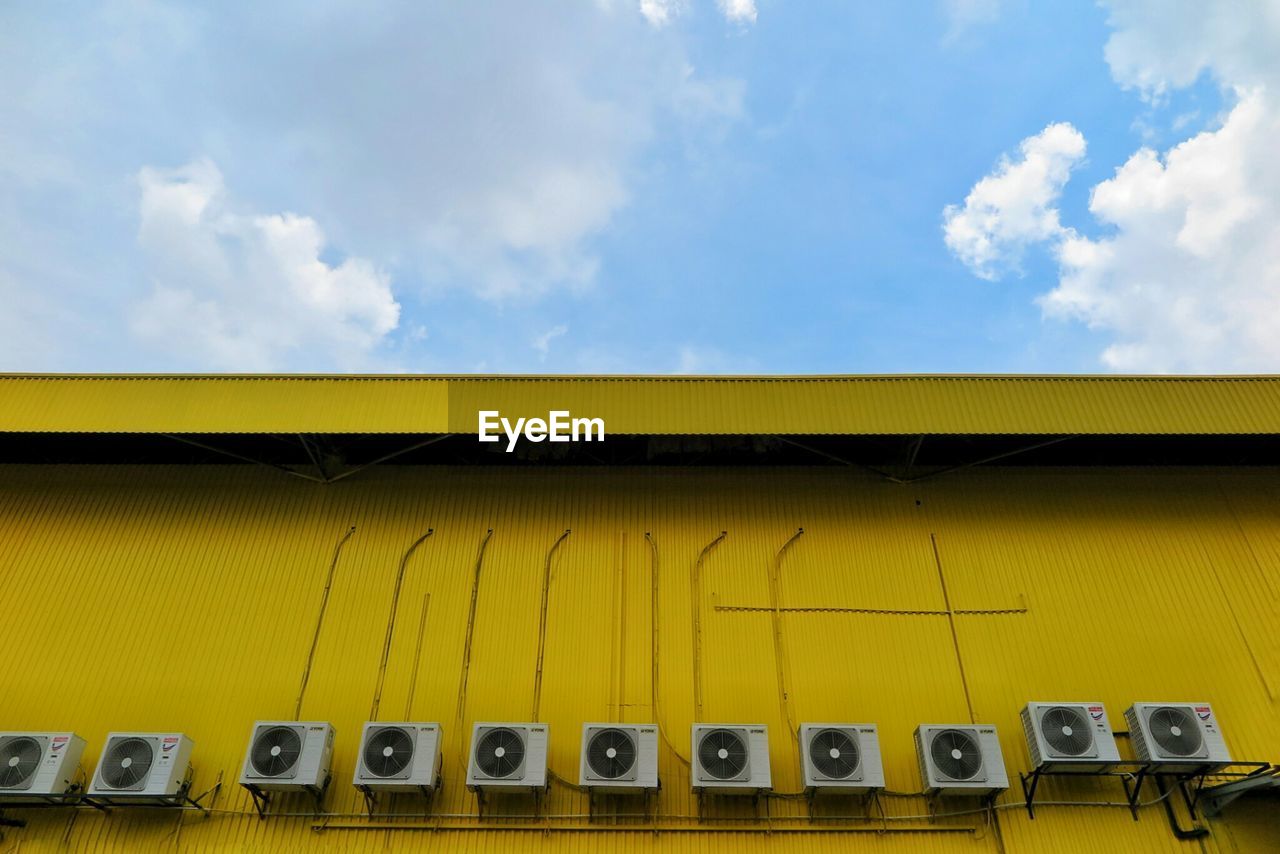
point(157, 598)
point(645, 405)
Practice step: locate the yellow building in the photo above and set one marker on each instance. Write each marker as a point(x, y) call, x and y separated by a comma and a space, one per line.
point(194, 554)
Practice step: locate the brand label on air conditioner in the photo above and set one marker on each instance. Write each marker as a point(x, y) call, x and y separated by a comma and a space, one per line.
point(558, 426)
point(1203, 712)
point(1096, 712)
point(169, 743)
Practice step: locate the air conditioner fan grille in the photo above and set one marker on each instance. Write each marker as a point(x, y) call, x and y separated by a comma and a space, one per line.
point(1067, 731)
point(1175, 731)
point(834, 753)
point(611, 753)
point(722, 754)
point(19, 758)
point(956, 754)
point(275, 750)
point(128, 763)
point(388, 751)
point(500, 753)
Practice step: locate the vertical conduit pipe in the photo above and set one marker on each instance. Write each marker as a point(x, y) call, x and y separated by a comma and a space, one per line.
point(695, 583)
point(417, 657)
point(779, 643)
point(951, 621)
point(466, 645)
point(542, 625)
point(315, 638)
point(654, 682)
point(391, 624)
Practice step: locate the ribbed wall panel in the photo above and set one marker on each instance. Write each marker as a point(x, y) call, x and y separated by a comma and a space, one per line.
point(172, 598)
point(902, 405)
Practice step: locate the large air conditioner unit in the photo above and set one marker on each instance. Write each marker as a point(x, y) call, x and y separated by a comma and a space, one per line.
point(960, 759)
point(508, 757)
point(731, 759)
point(38, 764)
point(1177, 738)
point(1075, 736)
point(399, 757)
point(620, 758)
point(143, 768)
point(841, 758)
point(288, 756)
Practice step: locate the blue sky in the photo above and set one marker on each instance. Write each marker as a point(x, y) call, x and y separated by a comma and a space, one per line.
point(691, 186)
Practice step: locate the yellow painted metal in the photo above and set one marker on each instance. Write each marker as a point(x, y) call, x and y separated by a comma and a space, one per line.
point(644, 405)
point(186, 598)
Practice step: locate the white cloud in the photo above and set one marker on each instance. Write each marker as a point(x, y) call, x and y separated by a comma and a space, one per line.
point(542, 343)
point(1015, 205)
point(738, 11)
point(1159, 45)
point(964, 15)
point(246, 291)
point(1190, 279)
point(1186, 273)
point(659, 13)
point(477, 150)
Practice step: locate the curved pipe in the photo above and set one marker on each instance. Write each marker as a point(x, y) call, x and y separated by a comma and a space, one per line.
point(653, 631)
point(695, 583)
point(542, 625)
point(391, 623)
point(779, 643)
point(315, 638)
point(466, 646)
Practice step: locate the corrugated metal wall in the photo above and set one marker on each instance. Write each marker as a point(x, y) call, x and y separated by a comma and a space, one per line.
point(645, 405)
point(156, 598)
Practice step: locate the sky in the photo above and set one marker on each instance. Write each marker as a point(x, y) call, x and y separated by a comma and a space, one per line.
point(641, 186)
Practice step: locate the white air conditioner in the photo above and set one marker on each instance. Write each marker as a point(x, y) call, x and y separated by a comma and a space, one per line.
point(841, 758)
point(143, 767)
point(288, 756)
point(621, 758)
point(731, 759)
point(1075, 736)
point(508, 757)
point(1177, 738)
point(399, 757)
point(960, 759)
point(38, 764)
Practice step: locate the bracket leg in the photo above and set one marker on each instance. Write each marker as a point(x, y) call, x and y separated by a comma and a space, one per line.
point(1132, 792)
point(261, 800)
point(1029, 792)
point(319, 793)
point(370, 800)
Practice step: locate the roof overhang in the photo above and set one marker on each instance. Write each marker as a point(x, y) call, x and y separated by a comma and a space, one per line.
point(645, 406)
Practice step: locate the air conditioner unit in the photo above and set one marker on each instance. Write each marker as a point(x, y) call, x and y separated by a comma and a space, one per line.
point(621, 758)
point(143, 767)
point(288, 756)
point(731, 759)
point(38, 764)
point(1177, 738)
point(1074, 736)
point(399, 757)
point(960, 759)
point(508, 757)
point(841, 758)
